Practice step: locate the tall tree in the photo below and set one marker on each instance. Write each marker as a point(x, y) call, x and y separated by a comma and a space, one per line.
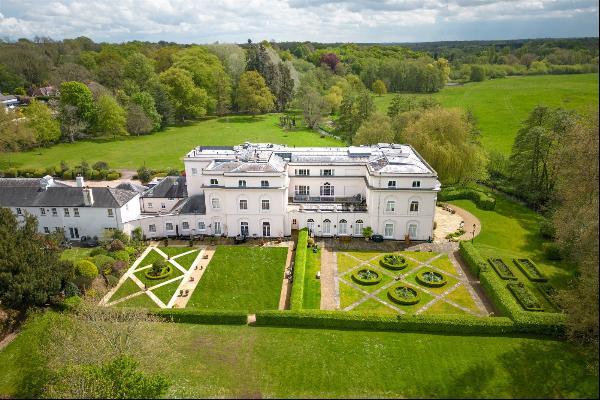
point(314, 107)
point(111, 117)
point(576, 222)
point(253, 94)
point(41, 121)
point(188, 100)
point(356, 107)
point(376, 129)
point(30, 267)
point(76, 108)
point(139, 69)
point(146, 102)
point(379, 87)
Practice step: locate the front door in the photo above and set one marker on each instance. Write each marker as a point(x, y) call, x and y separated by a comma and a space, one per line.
point(244, 229)
point(266, 229)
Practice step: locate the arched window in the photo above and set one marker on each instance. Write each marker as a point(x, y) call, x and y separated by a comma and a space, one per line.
point(327, 227)
point(358, 227)
point(310, 224)
point(342, 227)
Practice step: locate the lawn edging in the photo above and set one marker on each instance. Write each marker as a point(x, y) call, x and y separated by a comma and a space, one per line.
point(543, 323)
point(197, 316)
point(297, 296)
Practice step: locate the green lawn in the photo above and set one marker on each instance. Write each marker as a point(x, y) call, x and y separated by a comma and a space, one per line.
point(139, 301)
point(501, 105)
point(165, 292)
point(312, 285)
point(141, 275)
point(187, 260)
point(243, 361)
point(173, 251)
point(128, 287)
point(241, 278)
point(75, 253)
point(166, 149)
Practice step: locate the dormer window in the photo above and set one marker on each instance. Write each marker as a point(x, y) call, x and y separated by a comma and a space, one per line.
point(242, 183)
point(264, 184)
point(326, 172)
point(416, 184)
point(391, 184)
point(214, 182)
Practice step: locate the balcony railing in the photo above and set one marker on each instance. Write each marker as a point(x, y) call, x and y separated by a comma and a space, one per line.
point(357, 199)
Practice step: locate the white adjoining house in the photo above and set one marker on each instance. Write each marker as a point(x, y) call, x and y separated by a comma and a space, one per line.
point(255, 190)
point(260, 190)
point(80, 211)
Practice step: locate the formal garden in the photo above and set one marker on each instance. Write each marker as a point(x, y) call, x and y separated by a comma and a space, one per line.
point(406, 282)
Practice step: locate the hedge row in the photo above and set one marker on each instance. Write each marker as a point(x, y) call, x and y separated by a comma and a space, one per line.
point(297, 297)
point(195, 316)
point(92, 174)
point(481, 199)
point(406, 323)
point(544, 323)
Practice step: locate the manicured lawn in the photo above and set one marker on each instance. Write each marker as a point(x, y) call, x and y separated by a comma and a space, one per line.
point(512, 231)
point(312, 285)
point(152, 256)
point(242, 361)
point(165, 292)
point(153, 282)
point(348, 295)
point(241, 278)
point(441, 307)
point(173, 251)
point(166, 149)
point(187, 260)
point(75, 253)
point(139, 301)
point(462, 297)
point(409, 309)
point(501, 105)
point(128, 287)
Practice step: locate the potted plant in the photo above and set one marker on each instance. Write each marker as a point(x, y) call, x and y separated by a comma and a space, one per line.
point(367, 233)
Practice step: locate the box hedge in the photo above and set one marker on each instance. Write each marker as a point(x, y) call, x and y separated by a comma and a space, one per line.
point(195, 316)
point(297, 296)
point(481, 199)
point(472, 257)
point(404, 323)
point(529, 269)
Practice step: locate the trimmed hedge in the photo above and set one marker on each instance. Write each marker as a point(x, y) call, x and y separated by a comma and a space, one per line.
point(481, 199)
point(362, 281)
point(472, 257)
point(195, 316)
point(529, 269)
point(388, 261)
point(502, 269)
point(297, 296)
point(548, 292)
point(403, 323)
point(403, 300)
point(421, 279)
point(164, 272)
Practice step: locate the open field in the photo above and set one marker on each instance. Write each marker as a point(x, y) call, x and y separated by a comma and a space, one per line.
point(241, 278)
point(243, 361)
point(166, 149)
point(501, 105)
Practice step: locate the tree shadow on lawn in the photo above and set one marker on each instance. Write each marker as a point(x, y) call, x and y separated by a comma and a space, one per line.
point(533, 370)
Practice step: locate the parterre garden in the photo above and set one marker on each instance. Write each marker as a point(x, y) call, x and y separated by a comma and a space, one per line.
point(403, 283)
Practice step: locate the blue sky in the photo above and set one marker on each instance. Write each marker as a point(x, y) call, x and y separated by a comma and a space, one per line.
point(200, 21)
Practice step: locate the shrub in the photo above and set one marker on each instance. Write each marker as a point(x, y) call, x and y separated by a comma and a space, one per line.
point(367, 232)
point(431, 278)
point(547, 229)
point(393, 261)
point(112, 280)
point(130, 250)
point(10, 173)
point(68, 174)
point(552, 251)
point(310, 242)
point(97, 251)
point(144, 174)
point(122, 255)
point(86, 269)
point(95, 175)
point(71, 302)
point(159, 270)
point(529, 269)
point(502, 269)
point(403, 295)
point(100, 165)
point(549, 292)
point(194, 316)
point(111, 176)
point(119, 267)
point(101, 260)
point(116, 245)
point(70, 289)
point(403, 323)
point(482, 200)
point(524, 296)
point(365, 276)
point(39, 172)
point(297, 296)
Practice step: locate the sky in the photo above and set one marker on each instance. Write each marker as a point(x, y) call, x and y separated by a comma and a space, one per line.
point(200, 21)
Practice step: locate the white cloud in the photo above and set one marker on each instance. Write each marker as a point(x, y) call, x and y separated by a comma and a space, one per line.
point(317, 20)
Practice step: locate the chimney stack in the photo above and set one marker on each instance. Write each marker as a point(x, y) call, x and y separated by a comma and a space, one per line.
point(79, 181)
point(88, 197)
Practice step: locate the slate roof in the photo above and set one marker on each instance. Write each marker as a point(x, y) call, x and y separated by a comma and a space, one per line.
point(16, 195)
point(170, 187)
point(132, 187)
point(194, 205)
point(26, 182)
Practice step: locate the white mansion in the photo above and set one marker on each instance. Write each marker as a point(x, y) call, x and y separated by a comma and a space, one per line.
point(261, 190)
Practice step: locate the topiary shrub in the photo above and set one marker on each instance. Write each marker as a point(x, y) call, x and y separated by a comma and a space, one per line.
point(159, 270)
point(393, 261)
point(431, 279)
point(403, 295)
point(365, 276)
point(86, 269)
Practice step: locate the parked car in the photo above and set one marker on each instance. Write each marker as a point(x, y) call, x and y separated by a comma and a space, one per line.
point(87, 241)
point(377, 238)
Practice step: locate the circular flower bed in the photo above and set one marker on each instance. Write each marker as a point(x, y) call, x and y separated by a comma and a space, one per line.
point(393, 261)
point(431, 278)
point(403, 295)
point(366, 277)
point(165, 271)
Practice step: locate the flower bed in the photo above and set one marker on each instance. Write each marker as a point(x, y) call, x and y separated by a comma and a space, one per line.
point(164, 272)
point(502, 269)
point(431, 278)
point(393, 262)
point(366, 276)
point(403, 295)
point(524, 296)
point(529, 269)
